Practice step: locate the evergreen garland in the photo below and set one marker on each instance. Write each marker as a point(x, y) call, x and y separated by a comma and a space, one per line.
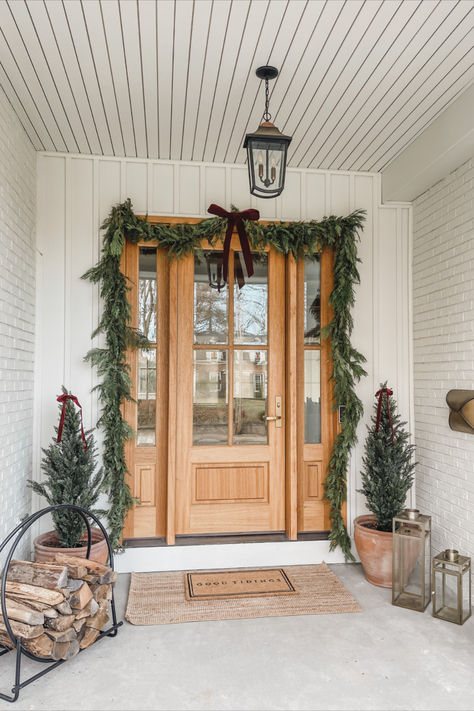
point(388, 468)
point(70, 477)
point(295, 238)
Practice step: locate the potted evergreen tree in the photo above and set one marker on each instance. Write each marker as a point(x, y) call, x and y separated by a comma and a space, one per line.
point(387, 475)
point(69, 466)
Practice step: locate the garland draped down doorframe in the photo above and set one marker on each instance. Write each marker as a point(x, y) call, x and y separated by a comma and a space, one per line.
point(295, 238)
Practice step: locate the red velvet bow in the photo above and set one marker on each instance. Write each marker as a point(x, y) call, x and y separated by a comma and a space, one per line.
point(64, 399)
point(235, 219)
point(380, 394)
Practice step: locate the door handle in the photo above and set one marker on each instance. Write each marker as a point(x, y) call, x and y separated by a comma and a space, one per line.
point(276, 418)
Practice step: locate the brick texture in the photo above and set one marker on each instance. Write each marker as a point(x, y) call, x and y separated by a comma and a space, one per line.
point(17, 315)
point(443, 316)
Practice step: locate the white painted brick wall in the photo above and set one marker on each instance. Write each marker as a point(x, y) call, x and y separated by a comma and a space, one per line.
point(443, 324)
point(17, 315)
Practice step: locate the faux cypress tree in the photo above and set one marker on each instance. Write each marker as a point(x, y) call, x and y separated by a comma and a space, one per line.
point(388, 466)
point(70, 476)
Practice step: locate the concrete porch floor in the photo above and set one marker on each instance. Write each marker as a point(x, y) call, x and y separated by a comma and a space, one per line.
point(382, 658)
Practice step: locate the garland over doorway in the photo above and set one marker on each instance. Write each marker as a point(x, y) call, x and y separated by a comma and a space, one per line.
point(296, 238)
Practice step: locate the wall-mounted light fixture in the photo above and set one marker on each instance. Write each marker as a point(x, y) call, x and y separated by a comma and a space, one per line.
point(266, 150)
point(461, 405)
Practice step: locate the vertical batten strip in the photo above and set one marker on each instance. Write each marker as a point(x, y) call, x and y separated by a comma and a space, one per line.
point(95, 256)
point(67, 276)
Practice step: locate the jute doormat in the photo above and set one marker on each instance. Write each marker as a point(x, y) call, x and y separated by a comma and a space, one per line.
point(159, 599)
point(229, 584)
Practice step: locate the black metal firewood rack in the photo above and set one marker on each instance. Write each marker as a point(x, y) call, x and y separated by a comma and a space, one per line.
point(19, 532)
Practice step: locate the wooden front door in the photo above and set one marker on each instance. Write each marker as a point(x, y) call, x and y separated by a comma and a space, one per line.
point(223, 360)
point(230, 399)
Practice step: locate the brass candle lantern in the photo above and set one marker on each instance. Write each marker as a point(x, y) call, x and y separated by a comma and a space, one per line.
point(452, 587)
point(411, 569)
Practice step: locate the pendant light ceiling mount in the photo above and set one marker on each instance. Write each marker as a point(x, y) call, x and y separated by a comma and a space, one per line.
point(266, 149)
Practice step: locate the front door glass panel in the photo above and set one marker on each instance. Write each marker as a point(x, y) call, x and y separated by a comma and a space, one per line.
point(211, 298)
point(210, 411)
point(250, 397)
point(251, 301)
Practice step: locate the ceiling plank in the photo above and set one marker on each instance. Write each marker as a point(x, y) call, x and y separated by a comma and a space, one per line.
point(87, 67)
point(130, 31)
point(112, 29)
point(62, 37)
point(221, 12)
point(55, 64)
point(147, 12)
point(182, 48)
point(199, 46)
point(165, 28)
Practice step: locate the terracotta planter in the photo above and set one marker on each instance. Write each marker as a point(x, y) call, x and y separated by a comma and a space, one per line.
point(47, 545)
point(375, 551)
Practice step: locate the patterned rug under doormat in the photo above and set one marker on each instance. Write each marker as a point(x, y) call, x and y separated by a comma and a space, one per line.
point(160, 599)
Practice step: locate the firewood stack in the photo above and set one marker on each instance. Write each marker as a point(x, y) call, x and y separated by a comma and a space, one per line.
point(57, 609)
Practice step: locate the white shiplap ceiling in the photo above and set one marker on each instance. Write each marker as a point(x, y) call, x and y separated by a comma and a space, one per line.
point(358, 80)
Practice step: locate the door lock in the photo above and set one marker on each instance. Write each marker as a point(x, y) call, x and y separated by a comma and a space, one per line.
point(277, 417)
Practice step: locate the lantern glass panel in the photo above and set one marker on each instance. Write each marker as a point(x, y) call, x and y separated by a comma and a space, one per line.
point(411, 578)
point(451, 588)
point(267, 162)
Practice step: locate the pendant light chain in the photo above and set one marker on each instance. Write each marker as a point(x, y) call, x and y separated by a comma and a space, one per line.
point(266, 115)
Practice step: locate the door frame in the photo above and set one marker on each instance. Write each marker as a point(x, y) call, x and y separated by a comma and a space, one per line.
point(296, 452)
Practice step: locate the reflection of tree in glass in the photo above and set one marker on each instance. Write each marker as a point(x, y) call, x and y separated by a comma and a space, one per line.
point(315, 311)
point(210, 313)
point(147, 308)
point(251, 311)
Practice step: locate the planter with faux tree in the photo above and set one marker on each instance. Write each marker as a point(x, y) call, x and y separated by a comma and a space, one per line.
point(70, 477)
point(387, 475)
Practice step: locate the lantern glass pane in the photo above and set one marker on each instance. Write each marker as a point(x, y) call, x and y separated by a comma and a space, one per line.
point(266, 158)
point(446, 592)
point(466, 593)
point(411, 583)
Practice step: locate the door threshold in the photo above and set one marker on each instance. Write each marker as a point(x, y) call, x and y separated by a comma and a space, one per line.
point(223, 538)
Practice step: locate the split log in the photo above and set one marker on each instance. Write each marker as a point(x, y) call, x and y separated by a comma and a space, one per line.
point(101, 592)
point(19, 629)
point(44, 575)
point(41, 646)
point(64, 608)
point(90, 636)
point(79, 625)
point(65, 650)
point(104, 572)
point(60, 623)
point(22, 613)
point(33, 605)
point(90, 609)
point(74, 585)
point(100, 618)
point(75, 570)
point(61, 636)
point(35, 593)
point(81, 597)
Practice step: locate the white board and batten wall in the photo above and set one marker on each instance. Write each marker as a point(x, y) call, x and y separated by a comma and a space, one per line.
point(75, 194)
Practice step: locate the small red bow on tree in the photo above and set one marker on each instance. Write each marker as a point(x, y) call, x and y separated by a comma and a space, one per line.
point(380, 394)
point(64, 399)
point(235, 219)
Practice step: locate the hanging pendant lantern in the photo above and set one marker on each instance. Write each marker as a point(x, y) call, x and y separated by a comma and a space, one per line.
point(266, 150)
